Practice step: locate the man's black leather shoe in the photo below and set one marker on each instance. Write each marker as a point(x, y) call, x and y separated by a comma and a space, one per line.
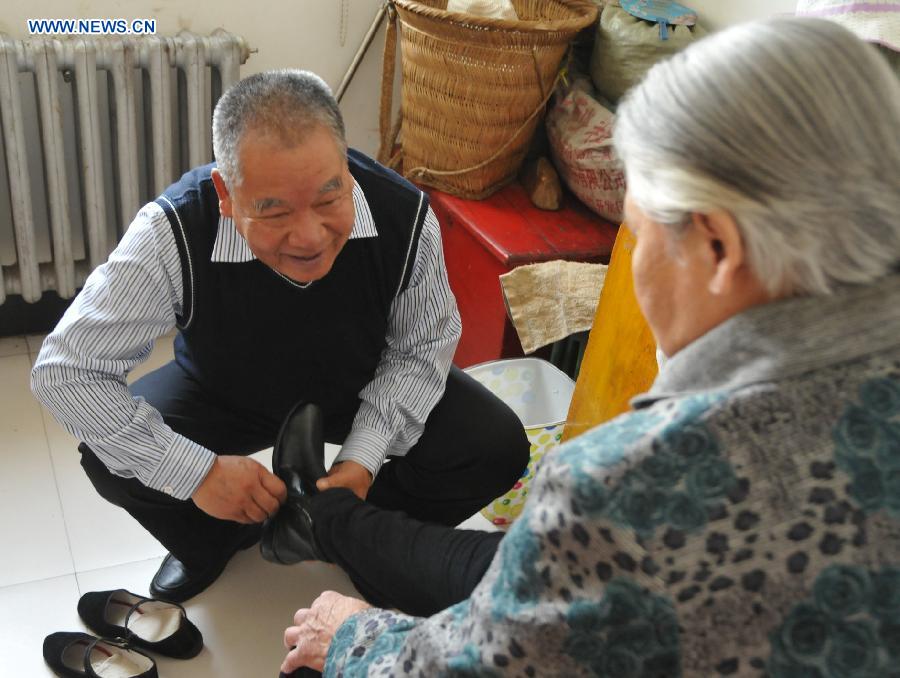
point(299, 454)
point(175, 583)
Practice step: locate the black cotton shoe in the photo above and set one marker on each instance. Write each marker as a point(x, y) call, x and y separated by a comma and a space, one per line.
point(175, 583)
point(76, 654)
point(302, 672)
point(150, 624)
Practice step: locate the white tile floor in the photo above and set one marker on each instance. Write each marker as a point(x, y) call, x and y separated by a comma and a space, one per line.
point(60, 539)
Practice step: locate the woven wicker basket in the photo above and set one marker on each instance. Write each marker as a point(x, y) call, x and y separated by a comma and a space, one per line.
point(474, 89)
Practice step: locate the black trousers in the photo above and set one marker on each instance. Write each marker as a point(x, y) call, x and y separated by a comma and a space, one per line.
point(397, 561)
point(473, 449)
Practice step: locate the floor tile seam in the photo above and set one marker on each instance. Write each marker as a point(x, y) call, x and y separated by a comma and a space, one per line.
point(39, 580)
point(122, 564)
point(59, 499)
point(27, 350)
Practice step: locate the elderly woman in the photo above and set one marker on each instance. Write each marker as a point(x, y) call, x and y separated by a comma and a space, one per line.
point(743, 518)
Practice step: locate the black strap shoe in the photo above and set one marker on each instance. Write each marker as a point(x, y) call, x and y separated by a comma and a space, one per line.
point(175, 583)
point(72, 654)
point(156, 625)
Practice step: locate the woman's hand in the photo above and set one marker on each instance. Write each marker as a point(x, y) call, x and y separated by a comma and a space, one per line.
point(310, 637)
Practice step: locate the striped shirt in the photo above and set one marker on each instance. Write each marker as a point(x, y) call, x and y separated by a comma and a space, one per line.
point(126, 303)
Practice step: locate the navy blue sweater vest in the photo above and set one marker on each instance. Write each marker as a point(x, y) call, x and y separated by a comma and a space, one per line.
point(260, 344)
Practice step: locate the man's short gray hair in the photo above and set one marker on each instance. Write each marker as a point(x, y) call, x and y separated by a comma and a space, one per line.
point(285, 103)
point(790, 125)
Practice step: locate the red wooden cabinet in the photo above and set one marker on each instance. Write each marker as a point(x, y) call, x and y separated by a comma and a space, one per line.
point(485, 238)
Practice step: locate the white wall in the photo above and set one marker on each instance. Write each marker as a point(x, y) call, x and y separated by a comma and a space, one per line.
point(717, 14)
point(298, 33)
point(306, 34)
point(294, 33)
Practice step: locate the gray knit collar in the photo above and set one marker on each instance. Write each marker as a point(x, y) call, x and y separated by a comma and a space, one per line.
point(784, 339)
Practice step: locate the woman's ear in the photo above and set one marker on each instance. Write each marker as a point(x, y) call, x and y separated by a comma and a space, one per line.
point(222, 192)
point(723, 247)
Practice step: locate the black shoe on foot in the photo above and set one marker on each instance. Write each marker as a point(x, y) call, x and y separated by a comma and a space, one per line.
point(299, 454)
point(299, 460)
point(288, 536)
point(175, 583)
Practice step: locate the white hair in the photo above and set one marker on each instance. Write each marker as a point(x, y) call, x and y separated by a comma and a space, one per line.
point(286, 103)
point(790, 125)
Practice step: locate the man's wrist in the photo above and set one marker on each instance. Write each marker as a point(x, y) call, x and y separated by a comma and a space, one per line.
point(365, 447)
point(356, 467)
point(182, 469)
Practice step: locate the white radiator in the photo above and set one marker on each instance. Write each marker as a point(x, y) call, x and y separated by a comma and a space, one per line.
point(91, 130)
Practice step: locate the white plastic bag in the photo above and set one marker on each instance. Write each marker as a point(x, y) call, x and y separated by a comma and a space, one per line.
point(493, 9)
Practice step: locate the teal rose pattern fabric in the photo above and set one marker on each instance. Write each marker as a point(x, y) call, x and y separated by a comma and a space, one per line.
point(848, 629)
point(676, 485)
point(630, 633)
point(750, 531)
point(367, 641)
point(867, 439)
point(468, 664)
point(520, 584)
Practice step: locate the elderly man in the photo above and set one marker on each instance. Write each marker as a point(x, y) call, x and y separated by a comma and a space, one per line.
point(294, 270)
point(744, 519)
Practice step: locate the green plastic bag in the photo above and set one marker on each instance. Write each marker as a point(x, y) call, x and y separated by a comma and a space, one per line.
point(625, 48)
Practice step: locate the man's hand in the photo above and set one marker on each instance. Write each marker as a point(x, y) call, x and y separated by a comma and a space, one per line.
point(310, 637)
point(347, 474)
point(240, 489)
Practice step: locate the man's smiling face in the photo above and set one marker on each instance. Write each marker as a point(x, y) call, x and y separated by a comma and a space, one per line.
point(294, 204)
